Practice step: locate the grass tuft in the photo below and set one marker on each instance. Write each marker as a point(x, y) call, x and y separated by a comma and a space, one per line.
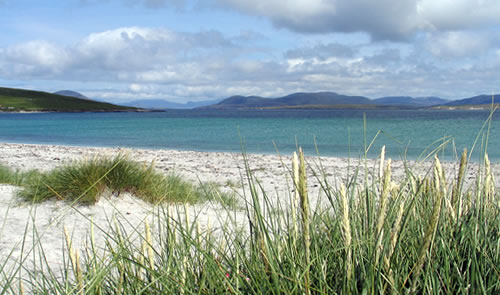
point(85, 181)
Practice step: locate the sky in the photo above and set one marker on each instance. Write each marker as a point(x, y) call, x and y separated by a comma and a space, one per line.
point(194, 50)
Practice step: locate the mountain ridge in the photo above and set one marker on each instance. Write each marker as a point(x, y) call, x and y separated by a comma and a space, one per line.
point(323, 99)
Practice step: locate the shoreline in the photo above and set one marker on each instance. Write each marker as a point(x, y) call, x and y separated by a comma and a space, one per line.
point(227, 171)
point(43, 157)
point(140, 149)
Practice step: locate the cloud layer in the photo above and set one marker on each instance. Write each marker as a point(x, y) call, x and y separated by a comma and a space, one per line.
point(382, 19)
point(159, 63)
point(417, 47)
point(396, 20)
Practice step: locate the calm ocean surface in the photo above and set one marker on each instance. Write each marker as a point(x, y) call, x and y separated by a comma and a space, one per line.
point(337, 132)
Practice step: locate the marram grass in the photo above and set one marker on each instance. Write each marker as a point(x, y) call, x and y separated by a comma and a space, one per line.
point(8, 176)
point(86, 180)
point(374, 238)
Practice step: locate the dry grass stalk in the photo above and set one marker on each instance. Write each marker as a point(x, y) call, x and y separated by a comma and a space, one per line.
point(69, 245)
point(75, 260)
point(489, 184)
point(295, 201)
point(386, 187)
point(79, 273)
point(381, 165)
point(379, 230)
point(456, 200)
point(438, 172)
point(21, 288)
point(198, 233)
point(183, 275)
point(149, 245)
point(346, 230)
point(304, 204)
point(140, 259)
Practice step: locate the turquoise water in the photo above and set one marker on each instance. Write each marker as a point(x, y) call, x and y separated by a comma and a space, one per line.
point(336, 132)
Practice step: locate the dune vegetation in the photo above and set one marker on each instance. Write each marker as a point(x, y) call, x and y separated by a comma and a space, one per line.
point(19, 178)
point(418, 235)
point(85, 181)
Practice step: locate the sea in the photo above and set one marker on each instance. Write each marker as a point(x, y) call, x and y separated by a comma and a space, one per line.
point(407, 134)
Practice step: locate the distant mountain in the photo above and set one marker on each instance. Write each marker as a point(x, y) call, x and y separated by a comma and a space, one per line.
point(165, 104)
point(475, 100)
point(301, 99)
point(410, 101)
point(243, 102)
point(15, 100)
point(321, 98)
point(71, 93)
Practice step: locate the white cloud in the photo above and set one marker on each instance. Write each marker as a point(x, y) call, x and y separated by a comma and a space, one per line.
point(459, 14)
point(382, 19)
point(125, 48)
point(459, 44)
point(150, 54)
point(34, 57)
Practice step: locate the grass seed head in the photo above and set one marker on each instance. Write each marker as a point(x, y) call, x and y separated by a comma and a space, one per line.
point(304, 204)
point(386, 187)
point(381, 166)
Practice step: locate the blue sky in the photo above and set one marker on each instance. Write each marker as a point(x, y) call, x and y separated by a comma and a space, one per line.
point(188, 50)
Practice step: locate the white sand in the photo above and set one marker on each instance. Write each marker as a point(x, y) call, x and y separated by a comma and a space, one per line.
point(226, 169)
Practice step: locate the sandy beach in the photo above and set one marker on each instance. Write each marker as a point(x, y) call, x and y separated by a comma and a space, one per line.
point(226, 169)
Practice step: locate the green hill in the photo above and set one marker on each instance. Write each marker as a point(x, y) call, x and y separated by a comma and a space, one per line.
point(15, 100)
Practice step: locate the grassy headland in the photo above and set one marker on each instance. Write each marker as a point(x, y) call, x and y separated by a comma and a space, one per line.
point(16, 100)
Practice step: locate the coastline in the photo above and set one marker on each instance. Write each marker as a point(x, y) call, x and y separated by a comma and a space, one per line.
point(220, 167)
point(223, 168)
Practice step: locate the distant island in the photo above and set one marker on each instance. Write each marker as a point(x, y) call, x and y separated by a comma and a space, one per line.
point(332, 100)
point(21, 100)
